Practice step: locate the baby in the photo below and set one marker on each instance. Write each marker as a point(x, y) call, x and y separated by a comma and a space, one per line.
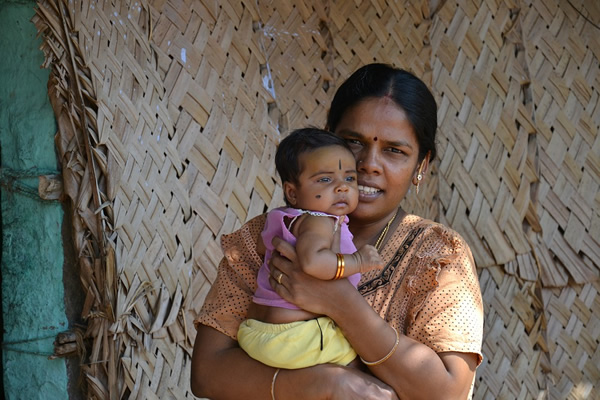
point(318, 173)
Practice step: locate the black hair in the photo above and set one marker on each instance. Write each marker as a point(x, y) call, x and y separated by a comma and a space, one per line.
point(300, 141)
point(405, 89)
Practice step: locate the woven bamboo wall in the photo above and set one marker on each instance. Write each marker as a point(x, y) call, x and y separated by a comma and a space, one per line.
point(519, 177)
point(169, 112)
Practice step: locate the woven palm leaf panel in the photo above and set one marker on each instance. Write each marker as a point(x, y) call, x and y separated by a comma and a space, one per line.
point(519, 178)
point(563, 51)
point(169, 113)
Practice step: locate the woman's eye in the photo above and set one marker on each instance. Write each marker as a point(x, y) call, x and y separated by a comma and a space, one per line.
point(395, 150)
point(353, 142)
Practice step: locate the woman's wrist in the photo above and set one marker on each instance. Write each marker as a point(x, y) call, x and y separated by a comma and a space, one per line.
point(387, 356)
point(273, 383)
point(315, 382)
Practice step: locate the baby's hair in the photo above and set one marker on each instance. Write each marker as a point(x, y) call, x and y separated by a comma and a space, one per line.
point(300, 141)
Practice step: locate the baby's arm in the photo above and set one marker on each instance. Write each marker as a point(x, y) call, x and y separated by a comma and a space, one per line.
point(314, 238)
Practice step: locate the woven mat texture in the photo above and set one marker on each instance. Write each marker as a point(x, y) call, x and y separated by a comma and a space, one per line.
point(169, 113)
point(519, 178)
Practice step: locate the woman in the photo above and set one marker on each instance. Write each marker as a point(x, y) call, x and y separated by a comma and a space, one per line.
point(416, 324)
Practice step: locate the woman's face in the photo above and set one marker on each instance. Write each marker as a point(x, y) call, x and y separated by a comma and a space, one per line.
point(386, 150)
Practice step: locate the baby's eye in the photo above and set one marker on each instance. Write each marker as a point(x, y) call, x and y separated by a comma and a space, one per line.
point(351, 178)
point(324, 180)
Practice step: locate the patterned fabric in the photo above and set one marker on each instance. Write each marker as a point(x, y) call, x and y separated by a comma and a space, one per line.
point(428, 289)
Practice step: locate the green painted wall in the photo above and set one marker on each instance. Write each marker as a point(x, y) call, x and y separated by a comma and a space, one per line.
point(33, 309)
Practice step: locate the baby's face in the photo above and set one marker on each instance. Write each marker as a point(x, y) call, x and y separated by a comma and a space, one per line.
point(327, 182)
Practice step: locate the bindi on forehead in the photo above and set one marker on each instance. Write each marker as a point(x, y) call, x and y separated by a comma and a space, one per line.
point(318, 196)
point(340, 164)
point(375, 139)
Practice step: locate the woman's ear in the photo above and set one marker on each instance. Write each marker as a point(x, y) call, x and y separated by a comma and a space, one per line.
point(289, 190)
point(421, 170)
point(425, 164)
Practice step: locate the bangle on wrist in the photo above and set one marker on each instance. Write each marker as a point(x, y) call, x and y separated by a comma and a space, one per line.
point(273, 383)
point(388, 355)
point(341, 266)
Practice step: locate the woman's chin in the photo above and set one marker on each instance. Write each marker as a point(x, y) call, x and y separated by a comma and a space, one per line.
point(372, 208)
point(365, 210)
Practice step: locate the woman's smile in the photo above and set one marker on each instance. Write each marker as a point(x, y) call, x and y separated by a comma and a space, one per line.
point(366, 190)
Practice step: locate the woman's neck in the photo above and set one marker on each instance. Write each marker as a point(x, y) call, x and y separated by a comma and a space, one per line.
point(367, 232)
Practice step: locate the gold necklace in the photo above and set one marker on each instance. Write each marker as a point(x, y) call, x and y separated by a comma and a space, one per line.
point(384, 232)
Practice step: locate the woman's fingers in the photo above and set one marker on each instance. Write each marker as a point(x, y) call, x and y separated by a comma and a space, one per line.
point(279, 264)
point(276, 277)
point(344, 383)
point(284, 249)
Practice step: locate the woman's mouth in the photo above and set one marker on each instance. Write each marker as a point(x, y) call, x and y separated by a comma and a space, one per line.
point(367, 190)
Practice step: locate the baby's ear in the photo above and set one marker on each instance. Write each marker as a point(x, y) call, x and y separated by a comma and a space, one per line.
point(289, 190)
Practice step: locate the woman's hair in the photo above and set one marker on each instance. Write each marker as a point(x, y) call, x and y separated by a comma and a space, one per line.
point(300, 141)
point(405, 89)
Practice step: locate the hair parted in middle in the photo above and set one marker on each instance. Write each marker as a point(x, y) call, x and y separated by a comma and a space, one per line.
point(406, 90)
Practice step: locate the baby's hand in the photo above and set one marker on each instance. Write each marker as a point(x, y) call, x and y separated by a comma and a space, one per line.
point(368, 258)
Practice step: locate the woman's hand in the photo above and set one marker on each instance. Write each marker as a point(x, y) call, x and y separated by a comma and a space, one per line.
point(333, 382)
point(309, 293)
point(354, 384)
point(363, 387)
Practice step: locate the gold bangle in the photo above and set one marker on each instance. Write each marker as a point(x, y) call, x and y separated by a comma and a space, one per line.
point(273, 384)
point(388, 355)
point(341, 266)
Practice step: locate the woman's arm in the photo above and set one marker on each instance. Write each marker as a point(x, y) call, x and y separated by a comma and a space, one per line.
point(221, 370)
point(414, 370)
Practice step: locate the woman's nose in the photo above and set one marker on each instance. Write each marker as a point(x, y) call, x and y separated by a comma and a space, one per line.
point(368, 162)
